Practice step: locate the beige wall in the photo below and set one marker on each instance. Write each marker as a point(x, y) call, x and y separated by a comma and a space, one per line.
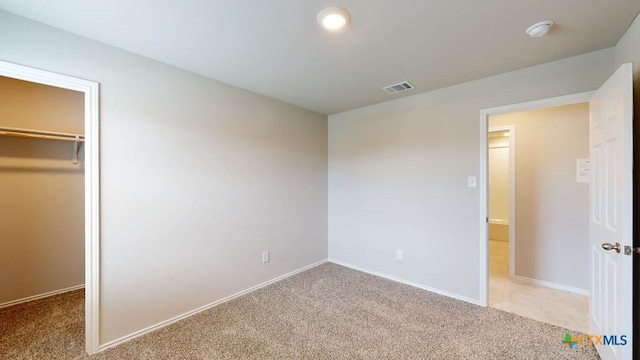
point(498, 196)
point(41, 192)
point(398, 170)
point(198, 178)
point(33, 106)
point(552, 209)
point(499, 179)
point(398, 173)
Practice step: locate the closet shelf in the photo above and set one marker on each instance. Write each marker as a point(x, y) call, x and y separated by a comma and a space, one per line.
point(51, 135)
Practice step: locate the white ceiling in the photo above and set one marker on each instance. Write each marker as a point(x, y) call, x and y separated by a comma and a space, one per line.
point(275, 47)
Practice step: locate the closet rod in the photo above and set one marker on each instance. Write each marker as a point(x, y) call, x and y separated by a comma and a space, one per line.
point(41, 134)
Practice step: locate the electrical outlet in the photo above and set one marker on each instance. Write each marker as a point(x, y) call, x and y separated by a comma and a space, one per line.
point(265, 257)
point(399, 254)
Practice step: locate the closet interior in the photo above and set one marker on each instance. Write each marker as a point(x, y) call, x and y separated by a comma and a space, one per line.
point(41, 191)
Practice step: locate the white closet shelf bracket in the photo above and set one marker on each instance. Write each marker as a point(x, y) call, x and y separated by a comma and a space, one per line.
point(77, 139)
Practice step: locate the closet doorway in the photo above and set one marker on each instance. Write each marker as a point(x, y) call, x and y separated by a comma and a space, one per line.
point(50, 185)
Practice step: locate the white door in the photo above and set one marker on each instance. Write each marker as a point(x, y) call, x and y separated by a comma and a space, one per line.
point(611, 218)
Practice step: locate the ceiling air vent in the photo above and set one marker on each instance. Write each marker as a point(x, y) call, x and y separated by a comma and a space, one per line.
point(399, 87)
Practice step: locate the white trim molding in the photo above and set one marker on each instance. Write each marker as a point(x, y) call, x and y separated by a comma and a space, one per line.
point(41, 296)
point(91, 184)
point(410, 283)
point(205, 307)
point(552, 285)
point(483, 181)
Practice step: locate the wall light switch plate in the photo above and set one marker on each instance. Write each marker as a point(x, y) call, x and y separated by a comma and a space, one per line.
point(472, 182)
point(265, 257)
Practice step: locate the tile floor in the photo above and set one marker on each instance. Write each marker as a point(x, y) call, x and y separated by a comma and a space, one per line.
point(541, 303)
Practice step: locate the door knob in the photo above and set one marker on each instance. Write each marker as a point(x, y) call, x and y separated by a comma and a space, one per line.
point(615, 247)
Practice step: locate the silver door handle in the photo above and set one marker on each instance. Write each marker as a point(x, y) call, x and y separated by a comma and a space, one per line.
point(615, 247)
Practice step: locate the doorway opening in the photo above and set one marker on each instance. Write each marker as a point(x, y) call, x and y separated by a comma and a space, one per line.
point(501, 198)
point(90, 214)
point(530, 218)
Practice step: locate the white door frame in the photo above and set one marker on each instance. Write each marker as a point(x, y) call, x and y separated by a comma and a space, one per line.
point(483, 180)
point(91, 184)
point(512, 193)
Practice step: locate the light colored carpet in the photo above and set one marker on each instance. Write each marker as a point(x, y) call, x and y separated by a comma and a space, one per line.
point(50, 328)
point(332, 312)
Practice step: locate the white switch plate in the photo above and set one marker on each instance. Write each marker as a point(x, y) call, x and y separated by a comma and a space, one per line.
point(399, 254)
point(265, 257)
point(472, 182)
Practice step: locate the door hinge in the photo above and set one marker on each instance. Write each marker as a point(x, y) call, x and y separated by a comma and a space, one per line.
point(628, 250)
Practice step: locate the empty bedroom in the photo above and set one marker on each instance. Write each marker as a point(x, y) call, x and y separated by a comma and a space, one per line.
point(307, 179)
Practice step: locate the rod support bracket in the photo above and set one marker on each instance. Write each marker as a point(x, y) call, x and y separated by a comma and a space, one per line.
point(76, 149)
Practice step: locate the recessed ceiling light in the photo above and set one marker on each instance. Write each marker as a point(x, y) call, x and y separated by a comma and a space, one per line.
point(540, 29)
point(334, 18)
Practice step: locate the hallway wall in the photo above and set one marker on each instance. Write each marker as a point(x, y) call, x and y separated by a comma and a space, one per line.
point(552, 209)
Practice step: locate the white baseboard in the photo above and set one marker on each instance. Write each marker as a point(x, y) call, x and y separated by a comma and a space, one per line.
point(552, 285)
point(402, 281)
point(41, 296)
point(203, 308)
